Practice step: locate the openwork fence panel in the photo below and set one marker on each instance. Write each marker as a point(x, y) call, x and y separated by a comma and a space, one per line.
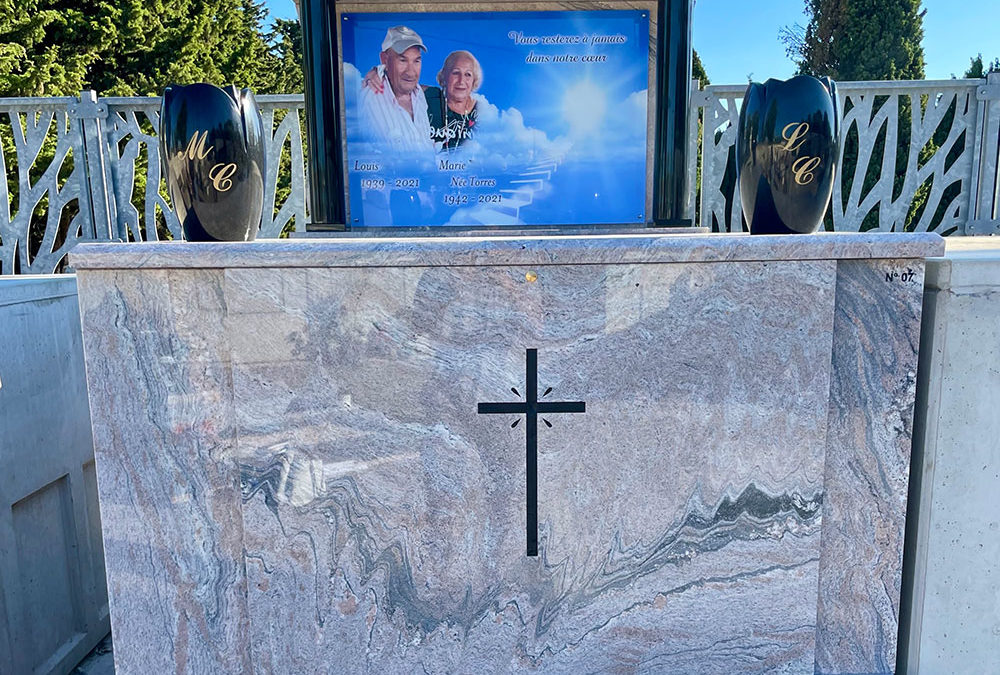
point(914, 157)
point(141, 206)
point(285, 183)
point(44, 201)
point(90, 169)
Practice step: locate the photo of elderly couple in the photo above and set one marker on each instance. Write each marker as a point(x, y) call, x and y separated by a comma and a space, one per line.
point(406, 115)
point(468, 119)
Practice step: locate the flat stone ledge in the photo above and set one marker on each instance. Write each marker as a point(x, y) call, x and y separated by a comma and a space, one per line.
point(17, 290)
point(978, 265)
point(505, 251)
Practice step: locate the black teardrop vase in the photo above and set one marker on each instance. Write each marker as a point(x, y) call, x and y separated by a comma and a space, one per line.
point(787, 150)
point(212, 143)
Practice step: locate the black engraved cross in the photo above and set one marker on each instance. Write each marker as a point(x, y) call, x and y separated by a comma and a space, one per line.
point(531, 408)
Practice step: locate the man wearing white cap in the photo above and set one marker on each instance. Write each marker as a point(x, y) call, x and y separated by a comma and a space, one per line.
point(397, 116)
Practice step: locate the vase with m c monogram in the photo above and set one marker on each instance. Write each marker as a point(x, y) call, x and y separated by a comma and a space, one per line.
point(787, 151)
point(212, 144)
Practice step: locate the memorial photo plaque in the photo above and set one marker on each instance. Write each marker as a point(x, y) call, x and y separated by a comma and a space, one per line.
point(496, 118)
point(512, 115)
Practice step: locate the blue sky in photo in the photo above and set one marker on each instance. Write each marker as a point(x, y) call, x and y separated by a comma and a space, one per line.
point(737, 39)
point(537, 90)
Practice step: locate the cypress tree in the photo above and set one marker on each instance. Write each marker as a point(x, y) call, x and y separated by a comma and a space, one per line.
point(698, 69)
point(867, 40)
point(978, 70)
point(859, 40)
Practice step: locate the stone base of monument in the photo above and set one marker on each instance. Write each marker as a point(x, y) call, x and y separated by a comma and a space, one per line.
point(564, 454)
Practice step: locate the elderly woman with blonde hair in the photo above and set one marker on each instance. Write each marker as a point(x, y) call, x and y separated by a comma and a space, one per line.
point(451, 106)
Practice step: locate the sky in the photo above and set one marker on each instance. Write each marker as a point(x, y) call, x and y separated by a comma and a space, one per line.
point(738, 40)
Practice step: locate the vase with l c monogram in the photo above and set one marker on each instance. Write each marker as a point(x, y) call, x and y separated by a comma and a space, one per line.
point(787, 151)
point(212, 144)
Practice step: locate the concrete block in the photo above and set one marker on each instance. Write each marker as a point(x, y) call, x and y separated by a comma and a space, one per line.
point(952, 599)
point(53, 593)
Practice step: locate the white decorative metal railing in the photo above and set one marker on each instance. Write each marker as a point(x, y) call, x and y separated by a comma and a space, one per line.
point(47, 193)
point(89, 169)
point(916, 155)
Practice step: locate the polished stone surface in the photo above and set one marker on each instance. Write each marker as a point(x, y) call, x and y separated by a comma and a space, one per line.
point(875, 338)
point(377, 497)
point(294, 473)
point(677, 246)
point(160, 384)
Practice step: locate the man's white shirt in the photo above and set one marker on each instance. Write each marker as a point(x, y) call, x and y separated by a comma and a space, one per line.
point(391, 124)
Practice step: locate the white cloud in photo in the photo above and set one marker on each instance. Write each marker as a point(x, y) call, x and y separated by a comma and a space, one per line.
point(352, 89)
point(621, 133)
point(504, 141)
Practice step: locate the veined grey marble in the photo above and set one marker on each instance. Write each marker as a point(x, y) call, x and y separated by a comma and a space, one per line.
point(160, 383)
point(378, 498)
point(295, 476)
point(875, 338)
point(508, 250)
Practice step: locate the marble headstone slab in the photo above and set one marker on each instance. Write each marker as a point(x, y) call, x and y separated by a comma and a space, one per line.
point(296, 476)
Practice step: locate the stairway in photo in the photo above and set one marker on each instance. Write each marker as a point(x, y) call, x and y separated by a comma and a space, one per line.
point(519, 194)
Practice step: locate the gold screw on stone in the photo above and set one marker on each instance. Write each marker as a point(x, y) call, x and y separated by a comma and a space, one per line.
point(531, 277)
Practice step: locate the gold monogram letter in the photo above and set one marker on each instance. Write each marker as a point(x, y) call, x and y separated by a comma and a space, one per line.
point(221, 176)
point(803, 169)
point(196, 146)
point(794, 137)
